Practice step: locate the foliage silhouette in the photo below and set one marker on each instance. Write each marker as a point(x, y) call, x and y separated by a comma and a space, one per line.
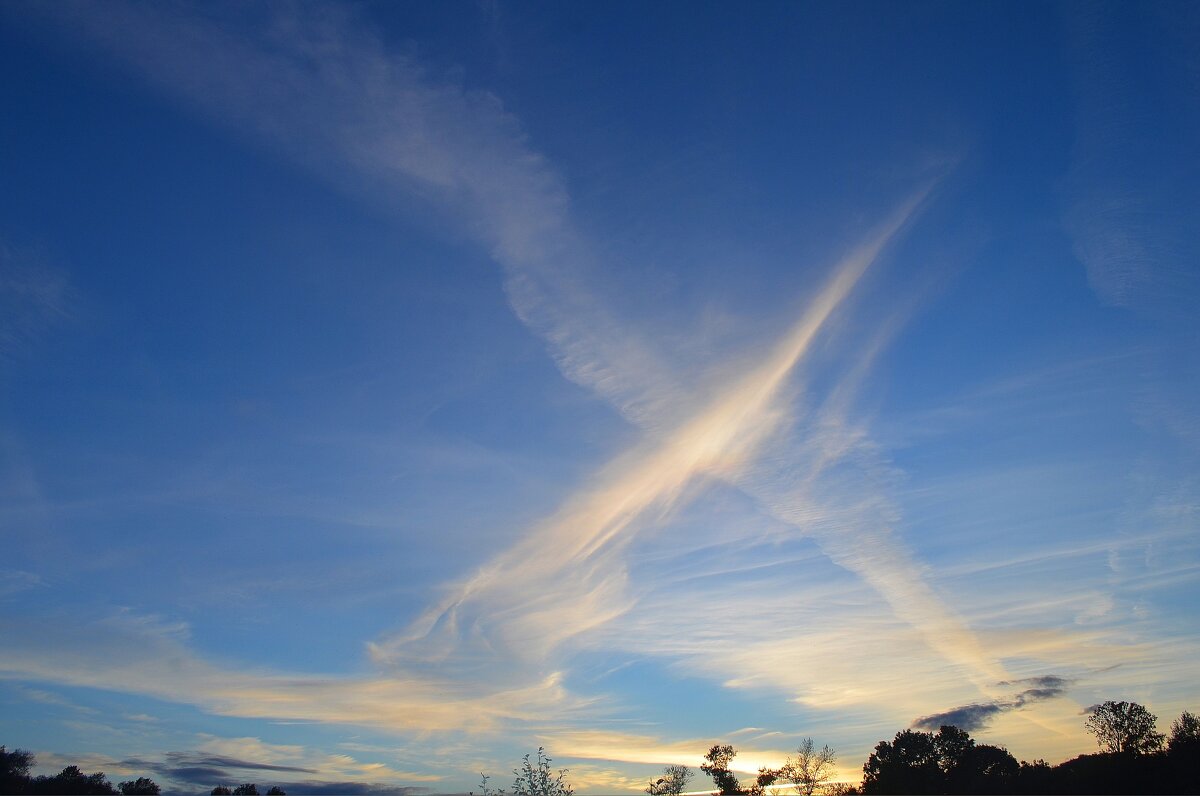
point(810, 769)
point(984, 769)
point(765, 779)
point(946, 762)
point(672, 783)
point(1135, 760)
point(14, 770)
point(909, 763)
point(73, 782)
point(534, 779)
point(719, 757)
point(1185, 735)
point(1124, 727)
point(142, 786)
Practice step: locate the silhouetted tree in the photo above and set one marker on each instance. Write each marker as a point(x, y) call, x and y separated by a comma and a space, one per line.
point(766, 778)
point(142, 786)
point(276, 791)
point(1035, 777)
point(1185, 735)
point(907, 764)
point(221, 790)
point(73, 782)
point(672, 783)
point(719, 757)
point(534, 779)
point(1124, 727)
point(14, 770)
point(1112, 773)
point(810, 769)
point(984, 769)
point(952, 745)
point(1183, 751)
point(249, 789)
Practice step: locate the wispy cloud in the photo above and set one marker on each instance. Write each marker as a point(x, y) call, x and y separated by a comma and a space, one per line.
point(48, 698)
point(651, 751)
point(139, 655)
point(33, 296)
point(580, 547)
point(775, 423)
point(1126, 210)
point(13, 581)
point(230, 761)
point(336, 97)
point(324, 88)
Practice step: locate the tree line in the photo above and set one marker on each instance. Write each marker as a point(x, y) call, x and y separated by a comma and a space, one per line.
point(71, 781)
point(1134, 758)
point(15, 780)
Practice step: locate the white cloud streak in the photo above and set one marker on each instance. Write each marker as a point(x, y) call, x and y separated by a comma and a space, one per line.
point(138, 654)
point(324, 91)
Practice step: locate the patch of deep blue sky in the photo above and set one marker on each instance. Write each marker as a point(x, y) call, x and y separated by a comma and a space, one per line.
point(285, 411)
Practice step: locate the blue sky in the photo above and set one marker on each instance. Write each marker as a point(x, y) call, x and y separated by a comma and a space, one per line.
point(389, 389)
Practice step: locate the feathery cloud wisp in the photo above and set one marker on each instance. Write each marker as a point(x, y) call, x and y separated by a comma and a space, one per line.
point(329, 95)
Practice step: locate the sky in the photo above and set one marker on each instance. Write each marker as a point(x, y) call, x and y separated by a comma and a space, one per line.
point(390, 389)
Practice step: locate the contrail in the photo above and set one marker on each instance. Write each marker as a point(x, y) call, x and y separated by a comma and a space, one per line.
point(567, 568)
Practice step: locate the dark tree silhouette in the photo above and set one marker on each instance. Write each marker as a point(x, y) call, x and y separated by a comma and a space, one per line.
point(73, 782)
point(907, 764)
point(14, 770)
point(766, 777)
point(672, 783)
point(984, 769)
point(246, 790)
point(953, 745)
point(221, 790)
point(142, 786)
point(276, 791)
point(1124, 727)
point(719, 757)
point(1035, 777)
point(1185, 735)
point(810, 769)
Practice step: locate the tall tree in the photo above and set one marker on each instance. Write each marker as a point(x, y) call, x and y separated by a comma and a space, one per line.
point(71, 781)
point(1185, 735)
point(142, 786)
point(953, 746)
point(1125, 728)
point(907, 764)
point(719, 757)
point(673, 781)
point(984, 769)
point(14, 770)
point(810, 769)
point(765, 779)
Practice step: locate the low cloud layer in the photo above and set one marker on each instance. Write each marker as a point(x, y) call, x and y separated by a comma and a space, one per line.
point(978, 715)
point(298, 769)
